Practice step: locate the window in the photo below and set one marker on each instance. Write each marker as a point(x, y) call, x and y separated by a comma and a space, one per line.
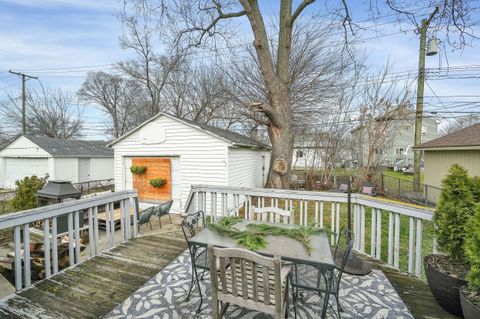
point(398, 150)
point(379, 151)
point(299, 154)
point(407, 128)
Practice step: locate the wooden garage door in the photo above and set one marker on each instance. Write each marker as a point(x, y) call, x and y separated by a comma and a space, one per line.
point(156, 167)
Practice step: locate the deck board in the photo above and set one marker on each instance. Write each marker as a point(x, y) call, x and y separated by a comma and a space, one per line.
point(93, 288)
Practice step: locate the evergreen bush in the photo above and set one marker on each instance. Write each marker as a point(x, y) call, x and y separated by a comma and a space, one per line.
point(26, 196)
point(454, 210)
point(472, 251)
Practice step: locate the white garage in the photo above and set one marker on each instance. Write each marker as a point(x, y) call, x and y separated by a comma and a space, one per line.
point(72, 160)
point(186, 153)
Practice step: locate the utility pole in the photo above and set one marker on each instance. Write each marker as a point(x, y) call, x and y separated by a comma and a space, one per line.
point(420, 89)
point(24, 78)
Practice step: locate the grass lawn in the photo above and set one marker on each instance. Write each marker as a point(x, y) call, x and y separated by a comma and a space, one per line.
point(402, 176)
point(428, 231)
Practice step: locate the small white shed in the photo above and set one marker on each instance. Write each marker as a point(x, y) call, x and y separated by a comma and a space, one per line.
point(71, 160)
point(186, 153)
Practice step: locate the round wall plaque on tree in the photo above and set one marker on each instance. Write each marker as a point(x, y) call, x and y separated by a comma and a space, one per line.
point(280, 166)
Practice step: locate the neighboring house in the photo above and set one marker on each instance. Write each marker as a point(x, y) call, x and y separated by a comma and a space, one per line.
point(185, 153)
point(461, 147)
point(71, 160)
point(398, 141)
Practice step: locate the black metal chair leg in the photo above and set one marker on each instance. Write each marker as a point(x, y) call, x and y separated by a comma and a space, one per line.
point(294, 298)
point(339, 307)
point(170, 217)
point(191, 283)
point(199, 291)
point(160, 221)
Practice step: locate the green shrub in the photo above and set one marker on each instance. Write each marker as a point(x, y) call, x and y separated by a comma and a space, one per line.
point(476, 189)
point(26, 196)
point(472, 251)
point(454, 210)
point(158, 182)
point(138, 169)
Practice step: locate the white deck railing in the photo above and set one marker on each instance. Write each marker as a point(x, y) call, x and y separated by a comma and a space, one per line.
point(47, 218)
point(323, 209)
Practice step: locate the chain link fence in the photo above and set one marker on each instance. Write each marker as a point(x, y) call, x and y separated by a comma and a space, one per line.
point(384, 185)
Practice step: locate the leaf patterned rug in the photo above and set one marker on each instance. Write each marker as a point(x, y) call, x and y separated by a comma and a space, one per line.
point(163, 297)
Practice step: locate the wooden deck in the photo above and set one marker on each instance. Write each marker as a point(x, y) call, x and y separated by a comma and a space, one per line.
point(93, 288)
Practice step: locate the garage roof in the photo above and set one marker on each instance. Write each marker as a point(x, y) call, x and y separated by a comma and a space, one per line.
point(232, 137)
point(72, 148)
point(467, 138)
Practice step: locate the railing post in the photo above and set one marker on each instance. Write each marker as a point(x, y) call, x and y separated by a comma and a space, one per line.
point(90, 232)
point(390, 238)
point(378, 249)
point(26, 255)
point(396, 244)
point(77, 236)
point(362, 228)
point(46, 247)
point(418, 250)
point(411, 244)
point(54, 245)
point(18, 258)
point(71, 257)
point(373, 234)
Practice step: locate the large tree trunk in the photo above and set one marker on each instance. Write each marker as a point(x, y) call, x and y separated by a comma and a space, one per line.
point(281, 136)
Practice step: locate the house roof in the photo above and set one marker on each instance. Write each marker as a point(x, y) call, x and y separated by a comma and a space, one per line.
point(226, 135)
point(72, 148)
point(467, 138)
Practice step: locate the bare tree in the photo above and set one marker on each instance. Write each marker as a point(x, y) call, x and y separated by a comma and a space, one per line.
point(460, 123)
point(383, 110)
point(455, 19)
point(50, 112)
point(121, 99)
point(148, 68)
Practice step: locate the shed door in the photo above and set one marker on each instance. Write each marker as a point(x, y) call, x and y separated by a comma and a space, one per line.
point(157, 167)
point(83, 170)
point(18, 168)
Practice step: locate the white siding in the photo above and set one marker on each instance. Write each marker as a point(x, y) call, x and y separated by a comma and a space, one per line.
point(247, 168)
point(201, 158)
point(66, 169)
point(23, 147)
point(18, 168)
point(101, 168)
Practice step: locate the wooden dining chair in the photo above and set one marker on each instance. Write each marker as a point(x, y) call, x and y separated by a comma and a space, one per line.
point(271, 215)
point(252, 281)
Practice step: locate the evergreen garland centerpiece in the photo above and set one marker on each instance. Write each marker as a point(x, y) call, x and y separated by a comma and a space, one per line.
point(254, 236)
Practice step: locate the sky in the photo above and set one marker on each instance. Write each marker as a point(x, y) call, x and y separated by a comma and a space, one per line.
point(60, 40)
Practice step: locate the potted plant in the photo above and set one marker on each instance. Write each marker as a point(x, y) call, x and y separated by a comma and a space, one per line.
point(470, 294)
point(138, 169)
point(446, 272)
point(158, 182)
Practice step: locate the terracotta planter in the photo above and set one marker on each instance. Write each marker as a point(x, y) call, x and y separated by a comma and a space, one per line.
point(445, 288)
point(470, 310)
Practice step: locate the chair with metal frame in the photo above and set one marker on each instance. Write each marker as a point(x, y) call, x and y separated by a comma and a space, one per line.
point(192, 224)
point(325, 278)
point(162, 210)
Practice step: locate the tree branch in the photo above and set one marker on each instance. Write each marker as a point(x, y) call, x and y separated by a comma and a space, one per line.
point(299, 10)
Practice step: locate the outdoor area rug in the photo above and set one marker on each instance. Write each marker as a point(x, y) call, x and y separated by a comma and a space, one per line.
point(163, 297)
